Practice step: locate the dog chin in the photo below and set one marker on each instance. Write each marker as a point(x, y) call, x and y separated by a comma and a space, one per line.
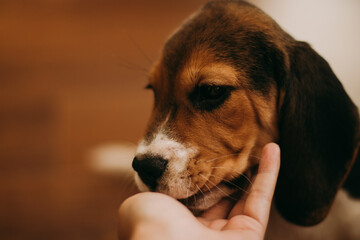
point(205, 200)
point(201, 200)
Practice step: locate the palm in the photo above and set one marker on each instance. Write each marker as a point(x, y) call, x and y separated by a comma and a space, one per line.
point(232, 222)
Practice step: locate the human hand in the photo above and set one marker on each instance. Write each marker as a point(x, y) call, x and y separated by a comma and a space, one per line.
point(157, 216)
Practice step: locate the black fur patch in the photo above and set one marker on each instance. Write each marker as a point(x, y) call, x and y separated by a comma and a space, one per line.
point(246, 50)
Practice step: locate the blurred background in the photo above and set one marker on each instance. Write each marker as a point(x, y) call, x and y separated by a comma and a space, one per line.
point(72, 74)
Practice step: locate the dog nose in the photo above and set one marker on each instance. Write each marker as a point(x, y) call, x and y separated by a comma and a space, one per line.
point(150, 169)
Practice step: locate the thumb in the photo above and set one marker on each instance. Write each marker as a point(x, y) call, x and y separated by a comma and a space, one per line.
point(155, 216)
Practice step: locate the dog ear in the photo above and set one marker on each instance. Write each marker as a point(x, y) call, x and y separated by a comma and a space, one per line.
point(317, 136)
point(351, 184)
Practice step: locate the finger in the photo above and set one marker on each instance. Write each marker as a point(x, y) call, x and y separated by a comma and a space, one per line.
point(258, 203)
point(238, 208)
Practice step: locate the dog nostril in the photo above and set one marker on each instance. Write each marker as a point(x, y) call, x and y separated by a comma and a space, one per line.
point(150, 169)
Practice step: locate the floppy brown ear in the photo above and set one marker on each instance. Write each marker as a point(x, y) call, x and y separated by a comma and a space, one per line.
point(318, 125)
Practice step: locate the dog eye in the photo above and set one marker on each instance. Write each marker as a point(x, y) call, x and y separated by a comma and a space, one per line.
point(209, 97)
point(210, 92)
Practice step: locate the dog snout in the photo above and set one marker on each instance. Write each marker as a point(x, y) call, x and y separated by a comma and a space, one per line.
point(150, 169)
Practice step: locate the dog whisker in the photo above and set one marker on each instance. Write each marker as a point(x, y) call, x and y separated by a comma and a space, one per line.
point(197, 186)
point(195, 200)
point(220, 157)
point(134, 67)
point(134, 144)
point(128, 183)
point(201, 192)
point(207, 187)
point(187, 189)
point(231, 183)
point(137, 46)
point(226, 194)
point(237, 172)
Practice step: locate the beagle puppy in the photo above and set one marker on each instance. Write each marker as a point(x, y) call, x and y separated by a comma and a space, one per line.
point(229, 81)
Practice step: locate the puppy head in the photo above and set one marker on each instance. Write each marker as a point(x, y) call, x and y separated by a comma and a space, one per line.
point(222, 90)
point(215, 108)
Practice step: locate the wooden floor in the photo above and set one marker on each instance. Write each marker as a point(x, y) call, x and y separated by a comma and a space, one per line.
point(71, 78)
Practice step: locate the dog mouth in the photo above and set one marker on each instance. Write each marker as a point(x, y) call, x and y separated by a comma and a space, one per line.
point(203, 200)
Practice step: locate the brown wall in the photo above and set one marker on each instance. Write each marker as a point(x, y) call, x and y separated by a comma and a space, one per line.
point(71, 78)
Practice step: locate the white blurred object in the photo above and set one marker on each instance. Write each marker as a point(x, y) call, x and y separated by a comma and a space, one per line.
point(332, 27)
point(113, 158)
